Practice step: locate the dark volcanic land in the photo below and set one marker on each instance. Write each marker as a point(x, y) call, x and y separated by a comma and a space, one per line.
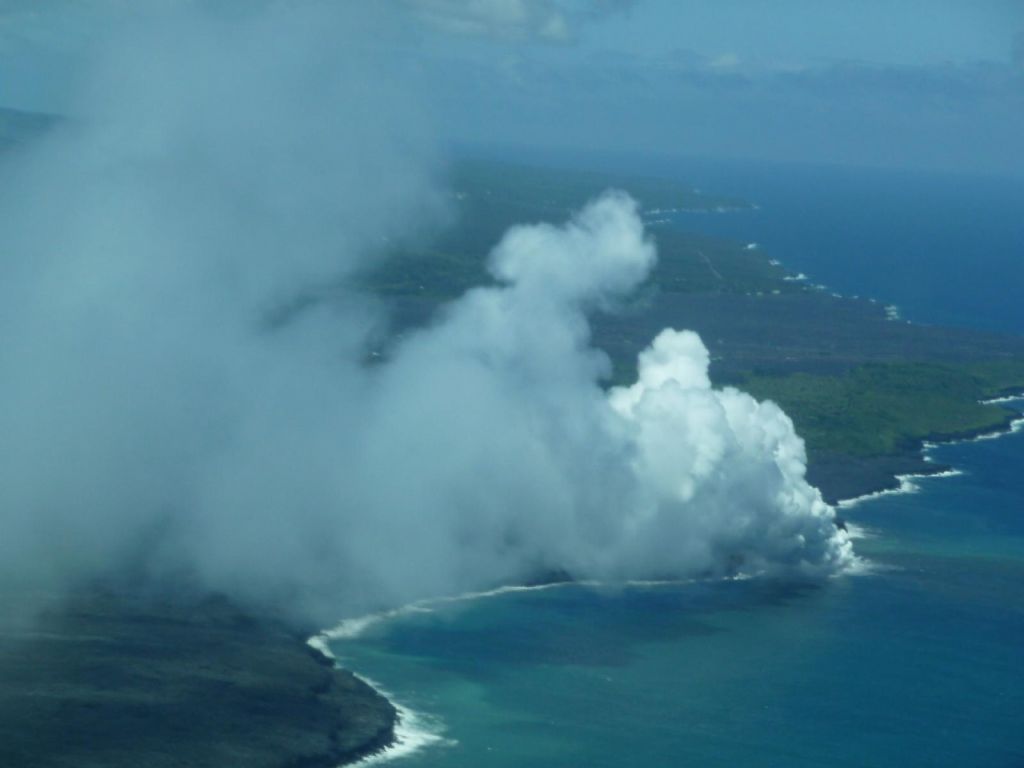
point(806, 331)
point(116, 680)
point(109, 680)
point(815, 333)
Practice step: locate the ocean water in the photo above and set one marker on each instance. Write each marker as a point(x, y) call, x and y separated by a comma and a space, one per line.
point(945, 249)
point(918, 662)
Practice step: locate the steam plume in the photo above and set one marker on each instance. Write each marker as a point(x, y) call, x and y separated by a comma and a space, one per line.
point(151, 415)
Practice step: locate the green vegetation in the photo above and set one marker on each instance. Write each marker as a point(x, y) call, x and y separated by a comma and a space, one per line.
point(491, 197)
point(856, 385)
point(888, 408)
point(864, 391)
point(690, 263)
point(557, 191)
point(687, 263)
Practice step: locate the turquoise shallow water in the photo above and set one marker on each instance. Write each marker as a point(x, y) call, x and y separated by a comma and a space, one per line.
point(918, 663)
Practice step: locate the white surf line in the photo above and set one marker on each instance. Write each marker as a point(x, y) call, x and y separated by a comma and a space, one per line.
point(1014, 426)
point(907, 484)
point(413, 730)
point(1003, 399)
point(354, 627)
point(349, 629)
point(865, 567)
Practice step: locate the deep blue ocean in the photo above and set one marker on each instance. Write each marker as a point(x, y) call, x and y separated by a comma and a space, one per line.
point(948, 250)
point(918, 663)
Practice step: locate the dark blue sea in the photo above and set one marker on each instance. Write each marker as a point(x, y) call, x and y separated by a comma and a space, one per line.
point(946, 249)
point(919, 662)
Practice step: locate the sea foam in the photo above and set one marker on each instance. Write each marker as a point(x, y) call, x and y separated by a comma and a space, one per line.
point(1002, 400)
point(349, 629)
point(906, 486)
point(1015, 426)
point(414, 731)
point(906, 482)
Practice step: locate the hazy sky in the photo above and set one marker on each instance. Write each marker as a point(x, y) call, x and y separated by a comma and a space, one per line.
point(801, 33)
point(905, 83)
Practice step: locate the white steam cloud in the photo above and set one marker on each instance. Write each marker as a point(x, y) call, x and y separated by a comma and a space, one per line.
point(152, 419)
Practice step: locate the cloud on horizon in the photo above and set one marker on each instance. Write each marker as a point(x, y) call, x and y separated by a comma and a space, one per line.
point(960, 117)
point(501, 71)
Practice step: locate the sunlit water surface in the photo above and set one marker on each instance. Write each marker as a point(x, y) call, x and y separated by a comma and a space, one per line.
point(920, 663)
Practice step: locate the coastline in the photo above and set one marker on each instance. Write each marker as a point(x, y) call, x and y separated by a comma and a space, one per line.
point(906, 485)
point(410, 732)
point(109, 678)
point(1003, 399)
point(414, 731)
point(903, 483)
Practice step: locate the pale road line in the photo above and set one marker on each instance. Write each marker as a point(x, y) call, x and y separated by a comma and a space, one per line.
point(711, 266)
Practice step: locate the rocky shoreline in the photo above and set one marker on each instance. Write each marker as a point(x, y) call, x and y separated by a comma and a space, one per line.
point(118, 680)
point(840, 477)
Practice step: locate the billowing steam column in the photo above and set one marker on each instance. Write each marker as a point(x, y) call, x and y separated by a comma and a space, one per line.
point(666, 478)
